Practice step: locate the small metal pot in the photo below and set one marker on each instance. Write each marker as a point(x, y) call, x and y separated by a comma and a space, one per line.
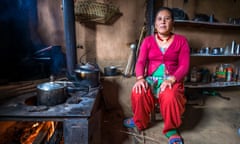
point(50, 94)
point(110, 71)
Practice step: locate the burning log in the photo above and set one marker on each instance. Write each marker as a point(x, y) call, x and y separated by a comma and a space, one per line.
point(38, 133)
point(46, 133)
point(29, 134)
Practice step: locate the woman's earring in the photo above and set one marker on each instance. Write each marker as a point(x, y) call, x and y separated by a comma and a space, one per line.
point(155, 30)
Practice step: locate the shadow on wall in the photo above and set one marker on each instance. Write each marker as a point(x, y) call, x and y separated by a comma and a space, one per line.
point(19, 41)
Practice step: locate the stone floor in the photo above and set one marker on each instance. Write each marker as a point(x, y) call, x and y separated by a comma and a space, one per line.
point(215, 121)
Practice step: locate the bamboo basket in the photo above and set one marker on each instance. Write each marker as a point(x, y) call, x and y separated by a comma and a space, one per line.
point(91, 11)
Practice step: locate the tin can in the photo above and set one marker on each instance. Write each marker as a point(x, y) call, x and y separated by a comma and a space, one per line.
point(235, 74)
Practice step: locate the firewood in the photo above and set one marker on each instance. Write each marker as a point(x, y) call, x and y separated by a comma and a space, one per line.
point(142, 137)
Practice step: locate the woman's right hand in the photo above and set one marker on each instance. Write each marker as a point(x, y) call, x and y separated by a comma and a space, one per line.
point(140, 85)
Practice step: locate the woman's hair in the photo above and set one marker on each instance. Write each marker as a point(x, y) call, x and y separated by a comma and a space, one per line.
point(164, 8)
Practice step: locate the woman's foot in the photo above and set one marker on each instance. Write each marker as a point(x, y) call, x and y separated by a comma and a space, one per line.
point(129, 123)
point(175, 139)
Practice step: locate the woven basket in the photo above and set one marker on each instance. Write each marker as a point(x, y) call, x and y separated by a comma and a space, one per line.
point(94, 11)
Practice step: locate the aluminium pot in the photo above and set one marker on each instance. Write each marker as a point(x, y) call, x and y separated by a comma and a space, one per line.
point(50, 94)
point(88, 75)
point(110, 71)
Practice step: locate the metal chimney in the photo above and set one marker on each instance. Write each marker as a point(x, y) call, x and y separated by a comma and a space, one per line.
point(70, 35)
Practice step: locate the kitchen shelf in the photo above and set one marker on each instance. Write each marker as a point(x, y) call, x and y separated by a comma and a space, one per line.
point(212, 25)
point(212, 55)
point(211, 85)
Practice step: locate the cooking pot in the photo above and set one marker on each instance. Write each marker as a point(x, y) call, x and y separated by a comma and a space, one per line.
point(88, 74)
point(110, 71)
point(50, 94)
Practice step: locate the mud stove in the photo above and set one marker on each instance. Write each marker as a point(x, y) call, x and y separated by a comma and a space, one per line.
point(80, 114)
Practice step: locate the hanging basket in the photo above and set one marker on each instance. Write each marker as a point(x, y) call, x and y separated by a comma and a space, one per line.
point(91, 11)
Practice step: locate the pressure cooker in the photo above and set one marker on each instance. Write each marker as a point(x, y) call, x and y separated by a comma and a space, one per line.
point(88, 74)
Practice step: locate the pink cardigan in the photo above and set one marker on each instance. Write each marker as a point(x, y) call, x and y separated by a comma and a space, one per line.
point(176, 58)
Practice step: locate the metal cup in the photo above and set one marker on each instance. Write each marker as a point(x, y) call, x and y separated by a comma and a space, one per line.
point(207, 50)
point(211, 18)
point(222, 50)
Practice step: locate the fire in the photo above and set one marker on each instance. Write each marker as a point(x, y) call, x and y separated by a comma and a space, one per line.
point(51, 130)
point(39, 132)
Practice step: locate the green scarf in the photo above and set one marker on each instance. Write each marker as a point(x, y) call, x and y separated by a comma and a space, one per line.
point(156, 79)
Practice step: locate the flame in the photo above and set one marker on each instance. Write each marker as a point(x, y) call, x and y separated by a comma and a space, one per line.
point(51, 130)
point(38, 132)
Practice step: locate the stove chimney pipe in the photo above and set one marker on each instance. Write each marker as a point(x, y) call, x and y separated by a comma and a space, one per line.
point(70, 35)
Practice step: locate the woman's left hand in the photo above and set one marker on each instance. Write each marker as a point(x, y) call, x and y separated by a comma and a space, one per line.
point(165, 84)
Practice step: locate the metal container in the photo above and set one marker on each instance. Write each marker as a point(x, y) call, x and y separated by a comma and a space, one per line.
point(51, 94)
point(110, 71)
point(222, 51)
point(233, 47)
point(216, 51)
point(88, 75)
point(237, 49)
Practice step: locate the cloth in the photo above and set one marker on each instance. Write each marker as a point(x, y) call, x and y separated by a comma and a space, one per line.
point(172, 105)
point(176, 58)
point(156, 80)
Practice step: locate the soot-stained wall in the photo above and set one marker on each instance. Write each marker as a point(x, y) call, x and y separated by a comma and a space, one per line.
point(27, 26)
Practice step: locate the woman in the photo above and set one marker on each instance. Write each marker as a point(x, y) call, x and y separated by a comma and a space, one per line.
point(162, 65)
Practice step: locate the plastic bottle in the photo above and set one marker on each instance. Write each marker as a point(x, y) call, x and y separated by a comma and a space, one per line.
point(221, 73)
point(229, 73)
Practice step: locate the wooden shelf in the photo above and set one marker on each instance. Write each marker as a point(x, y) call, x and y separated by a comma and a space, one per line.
point(212, 85)
point(211, 55)
point(213, 25)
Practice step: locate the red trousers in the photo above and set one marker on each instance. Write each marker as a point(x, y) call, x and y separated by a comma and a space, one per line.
point(171, 102)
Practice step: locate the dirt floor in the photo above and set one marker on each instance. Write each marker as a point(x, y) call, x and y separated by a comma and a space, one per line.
point(207, 119)
point(214, 121)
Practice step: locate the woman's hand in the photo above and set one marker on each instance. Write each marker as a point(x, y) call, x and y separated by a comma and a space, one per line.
point(167, 83)
point(140, 85)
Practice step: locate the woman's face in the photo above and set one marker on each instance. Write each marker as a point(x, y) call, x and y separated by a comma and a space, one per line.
point(164, 22)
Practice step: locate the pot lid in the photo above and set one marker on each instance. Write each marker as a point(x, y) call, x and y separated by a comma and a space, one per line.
point(50, 86)
point(87, 67)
